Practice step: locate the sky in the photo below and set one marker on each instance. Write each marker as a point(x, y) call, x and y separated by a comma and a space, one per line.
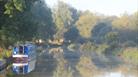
point(106, 7)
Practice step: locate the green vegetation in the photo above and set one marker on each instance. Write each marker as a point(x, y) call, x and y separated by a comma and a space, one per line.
point(30, 20)
point(27, 25)
point(33, 19)
point(130, 55)
point(126, 22)
point(5, 53)
point(86, 23)
point(13, 5)
point(111, 37)
point(10, 73)
point(63, 19)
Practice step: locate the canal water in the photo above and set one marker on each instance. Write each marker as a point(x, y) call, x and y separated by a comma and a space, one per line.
point(60, 62)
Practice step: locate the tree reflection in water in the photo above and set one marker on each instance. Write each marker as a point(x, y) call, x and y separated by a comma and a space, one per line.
point(84, 67)
point(87, 68)
point(63, 69)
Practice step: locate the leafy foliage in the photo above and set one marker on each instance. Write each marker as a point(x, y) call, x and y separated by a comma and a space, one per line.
point(126, 22)
point(111, 37)
point(62, 17)
point(28, 20)
point(86, 23)
point(26, 25)
point(130, 55)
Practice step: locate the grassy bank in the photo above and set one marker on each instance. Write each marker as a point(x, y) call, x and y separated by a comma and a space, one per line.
point(5, 53)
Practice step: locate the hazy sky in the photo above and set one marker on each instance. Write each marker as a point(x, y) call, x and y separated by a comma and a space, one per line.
point(107, 7)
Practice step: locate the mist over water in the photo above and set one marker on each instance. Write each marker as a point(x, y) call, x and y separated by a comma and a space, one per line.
point(69, 42)
point(61, 62)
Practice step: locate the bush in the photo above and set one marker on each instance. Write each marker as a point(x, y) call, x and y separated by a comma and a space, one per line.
point(130, 55)
point(10, 74)
point(5, 53)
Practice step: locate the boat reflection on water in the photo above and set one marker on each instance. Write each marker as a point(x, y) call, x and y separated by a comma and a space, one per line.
point(23, 68)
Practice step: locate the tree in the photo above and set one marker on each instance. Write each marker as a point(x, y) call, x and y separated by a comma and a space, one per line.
point(23, 26)
point(126, 22)
point(6, 30)
point(127, 26)
point(62, 17)
point(85, 24)
point(11, 6)
point(111, 37)
point(43, 16)
point(100, 30)
point(72, 34)
point(134, 21)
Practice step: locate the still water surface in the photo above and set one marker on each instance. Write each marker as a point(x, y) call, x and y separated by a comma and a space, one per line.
point(56, 62)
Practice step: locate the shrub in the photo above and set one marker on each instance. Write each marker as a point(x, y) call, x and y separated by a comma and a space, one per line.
point(5, 53)
point(130, 55)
